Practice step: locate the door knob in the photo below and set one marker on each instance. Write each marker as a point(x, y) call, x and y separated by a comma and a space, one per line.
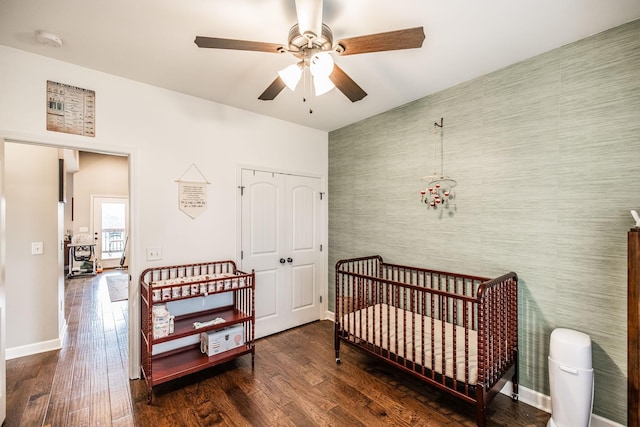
point(281, 260)
point(289, 260)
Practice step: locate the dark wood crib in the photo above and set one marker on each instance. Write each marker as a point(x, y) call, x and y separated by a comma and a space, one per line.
point(454, 331)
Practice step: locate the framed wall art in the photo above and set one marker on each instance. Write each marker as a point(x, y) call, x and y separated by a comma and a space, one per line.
point(71, 109)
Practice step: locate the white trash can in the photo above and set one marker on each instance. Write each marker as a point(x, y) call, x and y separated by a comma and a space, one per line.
point(570, 379)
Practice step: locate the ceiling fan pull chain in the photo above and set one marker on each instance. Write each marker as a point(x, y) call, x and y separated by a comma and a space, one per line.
point(305, 87)
point(309, 88)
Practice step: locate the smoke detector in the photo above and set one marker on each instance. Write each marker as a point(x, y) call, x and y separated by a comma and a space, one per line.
point(48, 39)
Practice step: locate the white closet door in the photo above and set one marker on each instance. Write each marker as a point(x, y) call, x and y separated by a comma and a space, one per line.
point(281, 228)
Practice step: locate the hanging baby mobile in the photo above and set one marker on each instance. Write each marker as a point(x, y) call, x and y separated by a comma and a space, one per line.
point(439, 191)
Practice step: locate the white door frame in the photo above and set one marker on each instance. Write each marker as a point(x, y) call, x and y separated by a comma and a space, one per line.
point(3, 304)
point(60, 141)
point(323, 220)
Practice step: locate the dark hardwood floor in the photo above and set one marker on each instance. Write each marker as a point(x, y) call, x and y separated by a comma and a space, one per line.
point(296, 382)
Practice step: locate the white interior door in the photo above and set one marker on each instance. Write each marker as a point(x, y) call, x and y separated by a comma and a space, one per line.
point(110, 228)
point(281, 231)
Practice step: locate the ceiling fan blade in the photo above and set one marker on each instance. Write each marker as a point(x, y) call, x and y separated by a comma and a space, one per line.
point(273, 90)
point(393, 40)
point(346, 84)
point(217, 43)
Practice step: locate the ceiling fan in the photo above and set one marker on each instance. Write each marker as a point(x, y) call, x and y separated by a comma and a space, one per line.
point(311, 41)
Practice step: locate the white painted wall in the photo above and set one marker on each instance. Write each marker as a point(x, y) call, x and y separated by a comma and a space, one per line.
point(32, 288)
point(164, 133)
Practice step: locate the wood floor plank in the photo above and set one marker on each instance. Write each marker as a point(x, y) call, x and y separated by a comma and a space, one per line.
point(17, 399)
point(79, 418)
point(39, 400)
point(80, 396)
point(300, 417)
point(126, 421)
point(207, 414)
point(255, 414)
point(57, 411)
point(295, 382)
point(120, 403)
point(100, 409)
point(35, 411)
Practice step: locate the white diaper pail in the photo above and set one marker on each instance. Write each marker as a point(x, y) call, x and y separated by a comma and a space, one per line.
point(570, 379)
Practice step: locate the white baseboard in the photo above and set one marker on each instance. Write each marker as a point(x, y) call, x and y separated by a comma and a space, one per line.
point(30, 349)
point(40, 347)
point(598, 421)
point(329, 315)
point(532, 397)
point(543, 402)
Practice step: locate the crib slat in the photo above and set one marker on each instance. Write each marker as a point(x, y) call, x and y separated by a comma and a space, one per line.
point(454, 322)
point(433, 329)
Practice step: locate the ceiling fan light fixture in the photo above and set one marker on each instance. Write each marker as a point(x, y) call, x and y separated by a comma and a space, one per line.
point(291, 75)
point(322, 85)
point(321, 65)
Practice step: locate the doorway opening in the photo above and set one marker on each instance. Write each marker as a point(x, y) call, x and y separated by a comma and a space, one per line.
point(110, 229)
point(100, 173)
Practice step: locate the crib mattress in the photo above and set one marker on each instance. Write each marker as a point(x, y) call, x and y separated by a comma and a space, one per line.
point(381, 324)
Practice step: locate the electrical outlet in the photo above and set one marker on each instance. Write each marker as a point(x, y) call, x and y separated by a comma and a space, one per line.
point(154, 254)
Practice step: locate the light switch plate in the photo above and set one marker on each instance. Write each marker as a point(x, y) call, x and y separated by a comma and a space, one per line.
point(37, 248)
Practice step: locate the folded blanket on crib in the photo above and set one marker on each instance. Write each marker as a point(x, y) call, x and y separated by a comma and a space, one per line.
point(381, 324)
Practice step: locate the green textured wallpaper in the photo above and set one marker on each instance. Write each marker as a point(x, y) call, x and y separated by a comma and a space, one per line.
point(546, 154)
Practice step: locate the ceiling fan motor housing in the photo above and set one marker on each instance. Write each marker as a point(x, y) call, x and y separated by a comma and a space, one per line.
point(305, 46)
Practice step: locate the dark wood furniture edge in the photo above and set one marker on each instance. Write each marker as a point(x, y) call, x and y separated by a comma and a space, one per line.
point(633, 329)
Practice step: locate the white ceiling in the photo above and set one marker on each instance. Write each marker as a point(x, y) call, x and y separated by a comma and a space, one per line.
point(151, 41)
